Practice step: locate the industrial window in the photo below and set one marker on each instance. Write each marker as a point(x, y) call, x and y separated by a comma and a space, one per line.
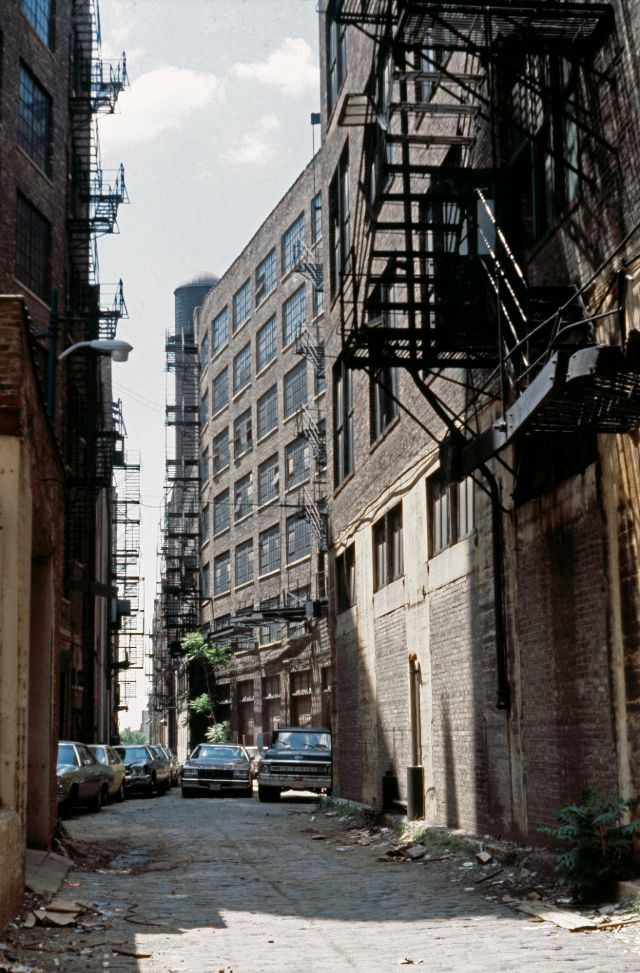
point(33, 249)
point(220, 391)
point(270, 632)
point(245, 691)
point(204, 408)
point(241, 305)
point(298, 598)
point(343, 422)
point(34, 119)
point(242, 368)
point(339, 220)
point(270, 684)
point(204, 464)
point(337, 49)
point(242, 441)
point(221, 452)
point(388, 561)
point(316, 218)
point(204, 349)
point(297, 462)
point(294, 314)
point(39, 13)
point(266, 344)
point(268, 480)
point(545, 151)
point(242, 496)
point(244, 563)
point(290, 244)
point(318, 301)
point(451, 512)
point(346, 578)
point(221, 512)
point(205, 523)
point(205, 589)
point(222, 573)
point(383, 395)
point(267, 411)
point(300, 682)
point(269, 550)
point(295, 389)
point(220, 331)
point(298, 537)
point(265, 277)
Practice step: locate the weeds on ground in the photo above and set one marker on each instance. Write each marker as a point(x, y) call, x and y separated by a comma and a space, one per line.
point(437, 840)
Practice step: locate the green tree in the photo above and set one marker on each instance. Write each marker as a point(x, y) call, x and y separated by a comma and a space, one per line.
point(132, 736)
point(205, 658)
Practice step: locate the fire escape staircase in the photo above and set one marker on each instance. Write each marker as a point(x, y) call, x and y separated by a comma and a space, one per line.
point(433, 283)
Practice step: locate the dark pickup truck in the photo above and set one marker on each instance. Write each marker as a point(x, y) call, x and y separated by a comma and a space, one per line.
point(298, 759)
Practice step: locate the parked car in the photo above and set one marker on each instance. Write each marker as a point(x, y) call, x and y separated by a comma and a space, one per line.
point(81, 778)
point(109, 757)
point(216, 768)
point(298, 759)
point(143, 771)
point(165, 753)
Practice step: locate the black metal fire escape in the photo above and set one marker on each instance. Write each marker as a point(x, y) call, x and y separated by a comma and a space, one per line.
point(431, 281)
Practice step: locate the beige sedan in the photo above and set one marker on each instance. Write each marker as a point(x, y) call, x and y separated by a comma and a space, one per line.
point(109, 757)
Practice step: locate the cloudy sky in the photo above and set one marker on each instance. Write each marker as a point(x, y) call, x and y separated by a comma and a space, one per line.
point(212, 131)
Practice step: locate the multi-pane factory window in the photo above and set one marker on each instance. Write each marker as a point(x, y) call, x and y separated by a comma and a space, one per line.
point(242, 305)
point(290, 240)
point(270, 632)
point(205, 590)
point(300, 682)
point(221, 452)
point(383, 399)
point(269, 550)
point(267, 411)
point(339, 220)
point(204, 408)
point(270, 684)
point(451, 512)
point(245, 691)
point(265, 277)
point(298, 537)
point(346, 578)
point(266, 344)
point(298, 598)
point(297, 461)
point(295, 389)
point(34, 119)
point(222, 573)
point(242, 439)
point(33, 249)
point(244, 563)
point(316, 218)
point(388, 560)
point(294, 313)
point(343, 422)
point(337, 48)
point(242, 368)
point(39, 13)
point(220, 391)
point(220, 331)
point(221, 512)
point(268, 479)
point(242, 496)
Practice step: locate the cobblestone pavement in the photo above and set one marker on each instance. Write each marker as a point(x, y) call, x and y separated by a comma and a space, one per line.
point(236, 886)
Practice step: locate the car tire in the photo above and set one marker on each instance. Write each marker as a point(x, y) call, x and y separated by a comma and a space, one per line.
point(104, 795)
point(148, 789)
point(95, 804)
point(119, 796)
point(268, 795)
point(188, 792)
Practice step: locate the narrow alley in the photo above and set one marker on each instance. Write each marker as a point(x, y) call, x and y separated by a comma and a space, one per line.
point(235, 886)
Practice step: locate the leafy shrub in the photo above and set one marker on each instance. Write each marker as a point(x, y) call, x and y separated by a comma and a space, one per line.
point(219, 732)
point(599, 848)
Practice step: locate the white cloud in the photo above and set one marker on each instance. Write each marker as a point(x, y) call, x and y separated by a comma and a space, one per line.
point(254, 148)
point(290, 67)
point(159, 101)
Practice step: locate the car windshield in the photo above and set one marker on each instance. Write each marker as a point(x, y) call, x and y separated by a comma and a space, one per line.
point(132, 754)
point(66, 755)
point(218, 753)
point(301, 740)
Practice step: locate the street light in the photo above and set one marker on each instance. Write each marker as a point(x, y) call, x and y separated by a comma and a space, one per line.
point(119, 350)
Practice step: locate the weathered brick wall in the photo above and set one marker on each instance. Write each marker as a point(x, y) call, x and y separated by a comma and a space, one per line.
point(349, 755)
point(392, 697)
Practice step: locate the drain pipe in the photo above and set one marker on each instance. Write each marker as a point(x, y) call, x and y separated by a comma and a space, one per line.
point(503, 697)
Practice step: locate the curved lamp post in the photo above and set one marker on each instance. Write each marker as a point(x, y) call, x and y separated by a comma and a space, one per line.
point(119, 350)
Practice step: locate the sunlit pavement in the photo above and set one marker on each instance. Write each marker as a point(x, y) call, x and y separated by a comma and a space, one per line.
point(229, 884)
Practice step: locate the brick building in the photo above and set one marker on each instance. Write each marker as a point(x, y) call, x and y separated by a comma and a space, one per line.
point(57, 434)
point(262, 472)
point(483, 243)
